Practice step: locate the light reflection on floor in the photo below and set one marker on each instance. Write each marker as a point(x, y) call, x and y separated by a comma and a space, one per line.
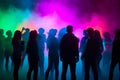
point(23, 71)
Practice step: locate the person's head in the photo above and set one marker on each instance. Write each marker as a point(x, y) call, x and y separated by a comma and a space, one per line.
point(69, 28)
point(9, 33)
point(17, 35)
point(33, 34)
point(97, 34)
point(52, 32)
point(41, 30)
point(27, 30)
point(90, 32)
point(107, 36)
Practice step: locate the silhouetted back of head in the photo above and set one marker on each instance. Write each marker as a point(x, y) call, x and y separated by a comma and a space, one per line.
point(97, 34)
point(90, 31)
point(17, 35)
point(9, 33)
point(41, 30)
point(33, 34)
point(107, 36)
point(27, 29)
point(69, 28)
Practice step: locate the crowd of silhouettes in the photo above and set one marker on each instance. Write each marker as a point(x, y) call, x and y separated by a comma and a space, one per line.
point(65, 48)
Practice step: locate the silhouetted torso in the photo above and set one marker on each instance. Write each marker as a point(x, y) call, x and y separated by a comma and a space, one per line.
point(18, 47)
point(52, 44)
point(32, 50)
point(83, 44)
point(116, 50)
point(90, 52)
point(69, 48)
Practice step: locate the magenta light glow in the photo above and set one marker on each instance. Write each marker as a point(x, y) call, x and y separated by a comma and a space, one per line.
point(56, 15)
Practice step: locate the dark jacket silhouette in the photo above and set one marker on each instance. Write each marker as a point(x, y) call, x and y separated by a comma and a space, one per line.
point(32, 51)
point(53, 56)
point(18, 47)
point(69, 53)
point(115, 54)
point(90, 54)
point(69, 48)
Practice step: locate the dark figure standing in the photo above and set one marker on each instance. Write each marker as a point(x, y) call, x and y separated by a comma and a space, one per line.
point(99, 40)
point(2, 39)
point(89, 55)
point(82, 48)
point(69, 53)
point(18, 47)
point(106, 57)
point(53, 56)
point(8, 48)
point(115, 54)
point(25, 37)
point(32, 51)
point(41, 39)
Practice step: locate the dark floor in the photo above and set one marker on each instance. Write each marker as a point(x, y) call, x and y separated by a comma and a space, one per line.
point(4, 75)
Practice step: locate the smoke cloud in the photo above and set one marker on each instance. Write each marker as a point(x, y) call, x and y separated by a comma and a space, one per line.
point(80, 13)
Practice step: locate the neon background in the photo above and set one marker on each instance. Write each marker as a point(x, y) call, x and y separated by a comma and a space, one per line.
point(33, 14)
point(103, 15)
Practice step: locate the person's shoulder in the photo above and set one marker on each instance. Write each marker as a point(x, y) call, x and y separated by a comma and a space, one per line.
point(65, 35)
point(74, 36)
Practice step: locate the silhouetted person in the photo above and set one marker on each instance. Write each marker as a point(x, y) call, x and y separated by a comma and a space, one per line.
point(89, 55)
point(33, 58)
point(18, 47)
point(107, 42)
point(2, 38)
point(41, 39)
point(53, 56)
point(69, 53)
point(25, 37)
point(115, 54)
point(82, 48)
point(99, 49)
point(83, 41)
point(8, 48)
